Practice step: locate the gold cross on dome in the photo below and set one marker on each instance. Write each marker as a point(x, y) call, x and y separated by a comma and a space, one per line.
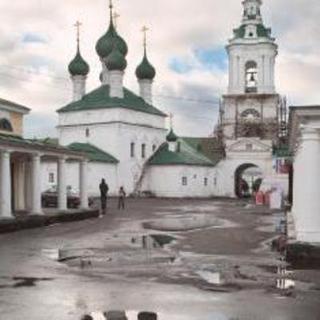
point(171, 120)
point(116, 16)
point(78, 25)
point(144, 31)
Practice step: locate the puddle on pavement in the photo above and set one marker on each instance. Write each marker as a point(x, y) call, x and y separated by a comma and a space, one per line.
point(154, 241)
point(184, 223)
point(19, 282)
point(52, 254)
point(210, 277)
point(136, 315)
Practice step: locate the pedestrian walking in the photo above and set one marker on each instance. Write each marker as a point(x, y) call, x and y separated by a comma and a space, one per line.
point(122, 196)
point(104, 188)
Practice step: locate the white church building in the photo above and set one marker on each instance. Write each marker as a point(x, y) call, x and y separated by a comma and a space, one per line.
point(126, 140)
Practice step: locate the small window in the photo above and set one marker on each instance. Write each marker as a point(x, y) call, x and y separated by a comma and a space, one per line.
point(215, 181)
point(154, 147)
point(51, 177)
point(87, 133)
point(132, 150)
point(205, 182)
point(184, 181)
point(143, 150)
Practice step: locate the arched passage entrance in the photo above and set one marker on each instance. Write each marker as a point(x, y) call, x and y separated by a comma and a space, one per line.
point(248, 178)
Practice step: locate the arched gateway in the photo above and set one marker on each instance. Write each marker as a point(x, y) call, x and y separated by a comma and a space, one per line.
point(247, 180)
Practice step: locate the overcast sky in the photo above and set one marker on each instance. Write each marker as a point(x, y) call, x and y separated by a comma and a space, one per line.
point(186, 45)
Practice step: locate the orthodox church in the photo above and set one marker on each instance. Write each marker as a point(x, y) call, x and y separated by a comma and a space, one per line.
point(124, 135)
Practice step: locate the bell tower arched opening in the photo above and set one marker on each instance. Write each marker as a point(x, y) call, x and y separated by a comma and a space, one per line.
point(251, 74)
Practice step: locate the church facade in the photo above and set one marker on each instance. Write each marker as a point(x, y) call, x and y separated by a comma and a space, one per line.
point(126, 140)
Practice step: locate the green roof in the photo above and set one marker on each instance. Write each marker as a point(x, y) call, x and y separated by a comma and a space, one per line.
point(145, 70)
point(208, 146)
point(116, 60)
point(187, 155)
point(93, 153)
point(41, 145)
point(262, 31)
point(78, 66)
point(100, 99)
point(172, 137)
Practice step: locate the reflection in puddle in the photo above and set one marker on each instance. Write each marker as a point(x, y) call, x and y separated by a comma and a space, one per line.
point(284, 282)
point(210, 277)
point(53, 254)
point(121, 315)
point(138, 315)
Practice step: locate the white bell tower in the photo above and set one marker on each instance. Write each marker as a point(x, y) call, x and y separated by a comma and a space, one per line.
point(250, 107)
point(252, 52)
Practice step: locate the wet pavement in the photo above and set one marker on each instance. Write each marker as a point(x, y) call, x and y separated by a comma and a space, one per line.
point(174, 259)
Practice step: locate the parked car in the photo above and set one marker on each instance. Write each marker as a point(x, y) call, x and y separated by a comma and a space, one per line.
point(49, 198)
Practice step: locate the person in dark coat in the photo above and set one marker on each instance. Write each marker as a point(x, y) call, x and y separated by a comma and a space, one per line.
point(122, 196)
point(103, 196)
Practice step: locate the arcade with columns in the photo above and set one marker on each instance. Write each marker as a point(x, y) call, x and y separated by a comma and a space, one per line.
point(20, 166)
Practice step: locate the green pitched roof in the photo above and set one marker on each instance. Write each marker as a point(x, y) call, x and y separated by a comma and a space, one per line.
point(208, 146)
point(100, 99)
point(94, 154)
point(186, 156)
point(41, 145)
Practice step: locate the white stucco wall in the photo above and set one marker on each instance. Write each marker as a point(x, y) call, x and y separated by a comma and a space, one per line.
point(113, 131)
point(166, 181)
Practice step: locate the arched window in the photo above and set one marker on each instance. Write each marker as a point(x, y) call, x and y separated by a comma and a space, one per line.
point(250, 115)
point(5, 125)
point(251, 77)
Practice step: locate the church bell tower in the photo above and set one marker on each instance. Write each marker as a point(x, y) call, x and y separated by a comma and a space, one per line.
point(250, 107)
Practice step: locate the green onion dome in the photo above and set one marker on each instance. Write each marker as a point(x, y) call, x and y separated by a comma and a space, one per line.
point(145, 71)
point(116, 60)
point(78, 66)
point(172, 137)
point(108, 40)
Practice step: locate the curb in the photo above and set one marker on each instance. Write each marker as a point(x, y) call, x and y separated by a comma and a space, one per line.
point(37, 221)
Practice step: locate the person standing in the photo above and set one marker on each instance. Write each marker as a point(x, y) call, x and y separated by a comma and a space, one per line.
point(122, 196)
point(104, 188)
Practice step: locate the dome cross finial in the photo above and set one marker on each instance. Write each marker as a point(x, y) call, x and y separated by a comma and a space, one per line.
point(78, 25)
point(144, 30)
point(116, 16)
point(171, 120)
point(111, 10)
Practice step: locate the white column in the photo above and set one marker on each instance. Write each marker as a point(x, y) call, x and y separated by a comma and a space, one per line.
point(36, 184)
point(116, 84)
point(19, 185)
point(62, 185)
point(28, 185)
point(83, 182)
point(146, 90)
point(5, 186)
point(79, 87)
point(306, 202)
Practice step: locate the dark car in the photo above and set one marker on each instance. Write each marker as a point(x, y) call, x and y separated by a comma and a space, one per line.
point(49, 198)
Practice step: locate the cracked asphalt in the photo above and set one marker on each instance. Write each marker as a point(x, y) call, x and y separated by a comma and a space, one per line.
point(183, 259)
